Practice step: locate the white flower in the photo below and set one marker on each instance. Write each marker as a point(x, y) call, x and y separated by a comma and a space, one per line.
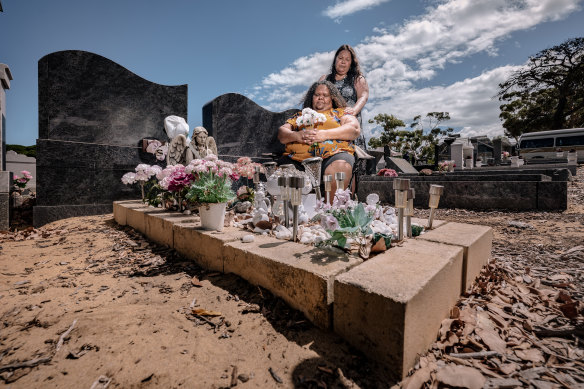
point(154, 170)
point(129, 178)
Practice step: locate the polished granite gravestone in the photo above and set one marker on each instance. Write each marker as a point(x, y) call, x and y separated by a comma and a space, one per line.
point(93, 115)
point(243, 128)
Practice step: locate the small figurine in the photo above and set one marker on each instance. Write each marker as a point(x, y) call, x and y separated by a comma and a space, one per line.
point(201, 145)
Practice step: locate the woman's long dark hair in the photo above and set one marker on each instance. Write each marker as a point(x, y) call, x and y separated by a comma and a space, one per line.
point(354, 70)
point(338, 100)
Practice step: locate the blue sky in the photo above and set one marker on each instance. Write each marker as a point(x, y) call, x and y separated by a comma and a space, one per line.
point(418, 56)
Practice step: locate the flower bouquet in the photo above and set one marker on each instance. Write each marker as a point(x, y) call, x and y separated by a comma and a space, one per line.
point(23, 180)
point(143, 173)
point(310, 119)
point(387, 173)
point(211, 189)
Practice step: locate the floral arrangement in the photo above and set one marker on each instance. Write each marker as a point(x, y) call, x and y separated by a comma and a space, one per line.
point(23, 180)
point(157, 148)
point(505, 155)
point(445, 166)
point(143, 173)
point(245, 167)
point(310, 118)
point(348, 222)
point(212, 182)
point(387, 173)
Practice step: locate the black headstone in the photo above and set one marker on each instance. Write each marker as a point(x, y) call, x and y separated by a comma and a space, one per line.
point(93, 115)
point(243, 128)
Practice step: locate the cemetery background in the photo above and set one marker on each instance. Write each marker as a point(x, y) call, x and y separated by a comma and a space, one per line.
point(129, 300)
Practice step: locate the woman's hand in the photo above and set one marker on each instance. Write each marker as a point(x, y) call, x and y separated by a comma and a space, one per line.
point(309, 136)
point(350, 110)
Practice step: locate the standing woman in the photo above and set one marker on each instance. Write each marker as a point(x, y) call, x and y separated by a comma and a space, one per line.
point(346, 75)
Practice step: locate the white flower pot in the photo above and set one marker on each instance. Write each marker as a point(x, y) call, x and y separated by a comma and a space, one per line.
point(212, 216)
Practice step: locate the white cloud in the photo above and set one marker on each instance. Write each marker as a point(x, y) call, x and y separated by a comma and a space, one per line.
point(348, 7)
point(418, 50)
point(470, 102)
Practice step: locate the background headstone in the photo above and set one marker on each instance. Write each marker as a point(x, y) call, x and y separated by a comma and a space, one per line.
point(456, 153)
point(243, 128)
point(93, 115)
point(400, 165)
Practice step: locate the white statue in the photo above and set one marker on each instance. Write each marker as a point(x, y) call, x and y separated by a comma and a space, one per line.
point(201, 145)
point(180, 151)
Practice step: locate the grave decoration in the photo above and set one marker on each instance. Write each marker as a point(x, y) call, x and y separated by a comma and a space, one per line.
point(344, 224)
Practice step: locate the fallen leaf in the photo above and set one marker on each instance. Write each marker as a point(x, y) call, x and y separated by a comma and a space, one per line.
point(417, 380)
point(570, 310)
point(508, 368)
point(461, 376)
point(531, 355)
point(195, 281)
point(492, 340)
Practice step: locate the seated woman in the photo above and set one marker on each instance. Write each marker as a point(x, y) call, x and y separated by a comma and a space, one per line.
point(332, 140)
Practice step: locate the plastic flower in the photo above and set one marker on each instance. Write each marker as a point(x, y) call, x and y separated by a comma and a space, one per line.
point(329, 222)
point(387, 173)
point(129, 178)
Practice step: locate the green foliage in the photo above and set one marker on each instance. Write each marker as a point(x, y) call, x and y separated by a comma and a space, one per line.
point(352, 223)
point(29, 151)
point(546, 94)
point(417, 141)
point(210, 188)
point(155, 195)
point(416, 230)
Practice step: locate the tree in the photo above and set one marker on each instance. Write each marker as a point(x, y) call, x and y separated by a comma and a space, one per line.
point(418, 142)
point(548, 93)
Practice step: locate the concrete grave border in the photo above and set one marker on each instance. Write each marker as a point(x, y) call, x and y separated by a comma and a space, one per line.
point(390, 306)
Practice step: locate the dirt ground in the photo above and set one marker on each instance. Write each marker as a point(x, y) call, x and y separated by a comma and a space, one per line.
point(85, 303)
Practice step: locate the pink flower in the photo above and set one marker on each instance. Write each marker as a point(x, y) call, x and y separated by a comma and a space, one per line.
point(387, 173)
point(329, 222)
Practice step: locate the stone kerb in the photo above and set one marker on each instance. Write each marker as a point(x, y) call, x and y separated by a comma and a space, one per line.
point(391, 306)
point(206, 248)
point(476, 242)
point(301, 275)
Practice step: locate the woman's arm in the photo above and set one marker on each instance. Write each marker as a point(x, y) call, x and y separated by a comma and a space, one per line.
point(287, 135)
point(362, 90)
point(349, 130)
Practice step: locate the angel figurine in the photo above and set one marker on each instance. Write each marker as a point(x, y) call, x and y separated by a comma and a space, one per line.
point(201, 145)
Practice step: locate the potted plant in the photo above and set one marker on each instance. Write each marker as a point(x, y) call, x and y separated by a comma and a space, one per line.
point(211, 189)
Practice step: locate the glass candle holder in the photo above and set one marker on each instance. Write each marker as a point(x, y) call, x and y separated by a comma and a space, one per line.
point(256, 175)
point(340, 180)
point(284, 185)
point(270, 168)
point(327, 179)
point(296, 185)
point(328, 182)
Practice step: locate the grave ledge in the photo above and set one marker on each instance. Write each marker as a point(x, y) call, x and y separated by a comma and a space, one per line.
point(369, 303)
